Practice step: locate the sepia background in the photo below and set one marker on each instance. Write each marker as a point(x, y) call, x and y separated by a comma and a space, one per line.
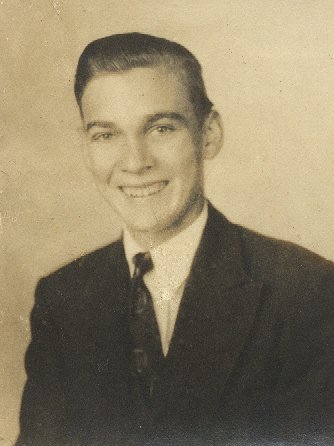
point(269, 69)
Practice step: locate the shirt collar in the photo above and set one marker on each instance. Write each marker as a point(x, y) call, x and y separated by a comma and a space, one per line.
point(172, 259)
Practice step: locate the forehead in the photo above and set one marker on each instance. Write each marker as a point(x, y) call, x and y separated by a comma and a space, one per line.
point(136, 91)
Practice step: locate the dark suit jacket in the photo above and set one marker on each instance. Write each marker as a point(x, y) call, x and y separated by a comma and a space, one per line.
point(251, 358)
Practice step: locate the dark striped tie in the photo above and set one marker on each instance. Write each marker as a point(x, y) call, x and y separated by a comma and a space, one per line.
point(147, 354)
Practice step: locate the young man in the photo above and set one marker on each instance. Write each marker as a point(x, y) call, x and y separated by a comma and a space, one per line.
point(189, 330)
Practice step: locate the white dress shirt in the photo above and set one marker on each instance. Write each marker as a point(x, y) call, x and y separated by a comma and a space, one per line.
point(172, 262)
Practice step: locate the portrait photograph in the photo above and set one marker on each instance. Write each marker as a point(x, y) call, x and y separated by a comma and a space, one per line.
point(167, 223)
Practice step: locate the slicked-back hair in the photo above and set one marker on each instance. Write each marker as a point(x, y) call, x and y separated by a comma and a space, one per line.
point(122, 52)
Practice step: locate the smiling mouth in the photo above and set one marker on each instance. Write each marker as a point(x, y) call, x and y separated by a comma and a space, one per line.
point(143, 191)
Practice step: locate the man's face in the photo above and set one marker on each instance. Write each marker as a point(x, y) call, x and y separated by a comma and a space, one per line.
point(145, 148)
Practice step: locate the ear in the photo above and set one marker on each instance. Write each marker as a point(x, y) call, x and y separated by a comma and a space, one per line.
point(212, 140)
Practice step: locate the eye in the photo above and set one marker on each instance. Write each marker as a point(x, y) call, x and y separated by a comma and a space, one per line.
point(106, 136)
point(164, 128)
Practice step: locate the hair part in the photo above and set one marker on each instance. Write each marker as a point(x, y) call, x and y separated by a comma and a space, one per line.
point(122, 52)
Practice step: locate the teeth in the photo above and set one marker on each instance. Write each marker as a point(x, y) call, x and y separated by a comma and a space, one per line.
point(144, 191)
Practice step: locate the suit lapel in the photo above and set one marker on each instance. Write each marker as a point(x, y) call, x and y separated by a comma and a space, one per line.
point(107, 278)
point(104, 302)
point(217, 310)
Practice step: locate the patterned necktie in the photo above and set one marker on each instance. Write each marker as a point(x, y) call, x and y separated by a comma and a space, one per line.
point(147, 354)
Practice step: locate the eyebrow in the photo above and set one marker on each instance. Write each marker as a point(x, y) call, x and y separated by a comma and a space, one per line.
point(102, 124)
point(151, 120)
point(166, 115)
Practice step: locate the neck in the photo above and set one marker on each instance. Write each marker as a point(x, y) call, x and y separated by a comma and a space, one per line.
point(148, 240)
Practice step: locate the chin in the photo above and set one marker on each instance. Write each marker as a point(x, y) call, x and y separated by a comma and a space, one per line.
point(149, 228)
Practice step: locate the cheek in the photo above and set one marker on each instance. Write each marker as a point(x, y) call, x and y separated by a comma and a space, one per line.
point(100, 162)
point(181, 157)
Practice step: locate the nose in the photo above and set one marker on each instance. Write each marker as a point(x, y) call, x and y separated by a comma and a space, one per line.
point(136, 157)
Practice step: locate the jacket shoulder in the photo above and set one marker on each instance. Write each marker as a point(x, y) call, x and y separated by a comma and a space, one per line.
point(77, 275)
point(268, 256)
point(299, 281)
point(91, 261)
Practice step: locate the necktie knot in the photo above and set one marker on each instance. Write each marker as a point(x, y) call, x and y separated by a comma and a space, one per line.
point(143, 264)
